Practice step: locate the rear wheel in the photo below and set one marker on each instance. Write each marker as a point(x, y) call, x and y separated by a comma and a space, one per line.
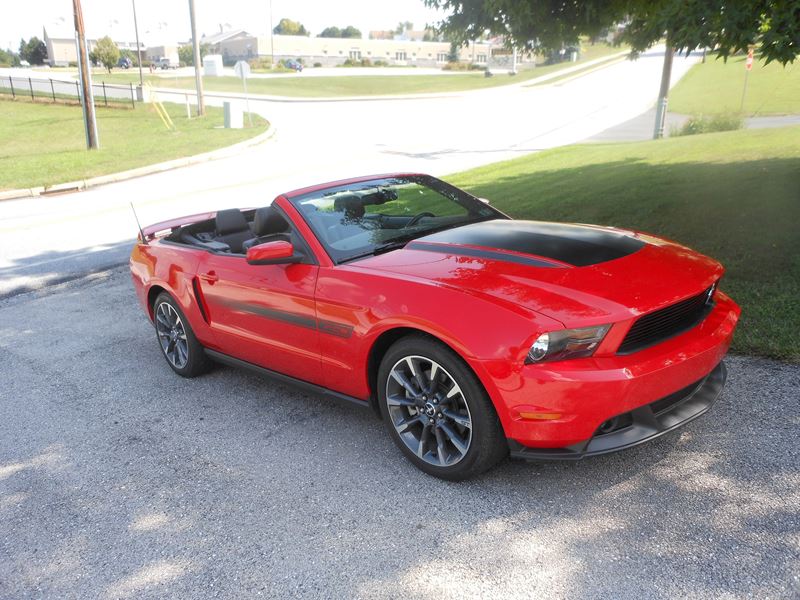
point(176, 339)
point(436, 410)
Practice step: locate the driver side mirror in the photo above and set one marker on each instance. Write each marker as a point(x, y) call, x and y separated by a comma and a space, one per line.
point(279, 252)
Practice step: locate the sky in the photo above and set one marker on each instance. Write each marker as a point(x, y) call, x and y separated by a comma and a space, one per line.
point(162, 21)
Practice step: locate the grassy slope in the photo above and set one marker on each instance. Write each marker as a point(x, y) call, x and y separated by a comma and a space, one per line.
point(716, 87)
point(43, 144)
point(733, 195)
point(362, 85)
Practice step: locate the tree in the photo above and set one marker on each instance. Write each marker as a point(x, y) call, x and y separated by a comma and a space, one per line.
point(453, 55)
point(106, 53)
point(186, 53)
point(289, 27)
point(331, 32)
point(34, 51)
point(729, 26)
point(404, 26)
point(351, 32)
point(9, 58)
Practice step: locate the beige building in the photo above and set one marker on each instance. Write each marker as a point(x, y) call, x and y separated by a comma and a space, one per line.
point(334, 51)
point(153, 53)
point(62, 50)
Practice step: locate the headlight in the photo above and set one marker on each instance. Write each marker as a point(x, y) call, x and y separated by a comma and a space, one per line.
point(567, 343)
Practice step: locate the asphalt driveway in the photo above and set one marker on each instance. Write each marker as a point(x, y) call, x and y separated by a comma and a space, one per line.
point(119, 479)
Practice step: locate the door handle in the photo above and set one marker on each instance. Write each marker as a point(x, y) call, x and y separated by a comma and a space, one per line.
point(211, 277)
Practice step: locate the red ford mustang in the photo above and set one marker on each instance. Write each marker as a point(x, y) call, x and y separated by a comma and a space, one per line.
point(471, 334)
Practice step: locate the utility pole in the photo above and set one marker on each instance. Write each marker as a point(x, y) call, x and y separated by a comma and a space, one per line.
point(271, 41)
point(87, 98)
point(138, 46)
point(198, 79)
point(661, 106)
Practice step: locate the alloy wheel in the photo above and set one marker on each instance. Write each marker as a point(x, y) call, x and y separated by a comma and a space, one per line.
point(172, 335)
point(429, 411)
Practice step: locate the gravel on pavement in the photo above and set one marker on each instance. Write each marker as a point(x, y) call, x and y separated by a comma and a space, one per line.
point(120, 479)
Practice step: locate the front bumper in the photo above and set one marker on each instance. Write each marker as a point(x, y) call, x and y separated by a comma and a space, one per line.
point(640, 424)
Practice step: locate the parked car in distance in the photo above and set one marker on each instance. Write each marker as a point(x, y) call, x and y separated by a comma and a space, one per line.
point(472, 335)
point(124, 62)
point(166, 62)
point(294, 64)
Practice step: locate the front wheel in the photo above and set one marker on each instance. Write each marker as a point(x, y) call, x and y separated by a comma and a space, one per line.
point(184, 354)
point(436, 410)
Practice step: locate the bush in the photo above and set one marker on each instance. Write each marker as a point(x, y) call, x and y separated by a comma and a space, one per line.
point(317, 64)
point(455, 66)
point(702, 124)
point(260, 63)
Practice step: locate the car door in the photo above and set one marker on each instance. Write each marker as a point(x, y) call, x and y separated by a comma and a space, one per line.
point(263, 314)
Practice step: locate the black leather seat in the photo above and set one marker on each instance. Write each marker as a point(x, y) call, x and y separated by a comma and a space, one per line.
point(268, 225)
point(231, 228)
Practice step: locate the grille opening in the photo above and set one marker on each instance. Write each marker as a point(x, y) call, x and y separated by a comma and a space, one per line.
point(668, 322)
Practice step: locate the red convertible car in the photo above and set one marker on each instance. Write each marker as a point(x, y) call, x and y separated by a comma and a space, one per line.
point(471, 334)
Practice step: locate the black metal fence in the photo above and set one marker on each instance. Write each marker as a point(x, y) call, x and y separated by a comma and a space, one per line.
point(53, 90)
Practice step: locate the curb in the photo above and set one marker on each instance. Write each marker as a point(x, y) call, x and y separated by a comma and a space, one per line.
point(82, 184)
point(577, 74)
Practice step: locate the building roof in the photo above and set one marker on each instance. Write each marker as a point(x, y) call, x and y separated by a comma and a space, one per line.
point(222, 36)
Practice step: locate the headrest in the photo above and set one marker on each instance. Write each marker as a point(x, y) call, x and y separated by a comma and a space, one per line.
point(268, 221)
point(350, 204)
point(230, 220)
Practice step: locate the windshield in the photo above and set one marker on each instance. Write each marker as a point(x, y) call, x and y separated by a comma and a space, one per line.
point(365, 218)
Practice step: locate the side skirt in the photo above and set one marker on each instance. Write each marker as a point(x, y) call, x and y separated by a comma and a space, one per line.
point(304, 385)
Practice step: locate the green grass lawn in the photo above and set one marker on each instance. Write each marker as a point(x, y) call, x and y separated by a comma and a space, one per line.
point(366, 85)
point(734, 196)
point(716, 87)
point(44, 144)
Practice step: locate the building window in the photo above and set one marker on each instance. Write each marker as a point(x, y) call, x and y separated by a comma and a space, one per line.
point(441, 57)
point(355, 54)
point(400, 55)
point(481, 58)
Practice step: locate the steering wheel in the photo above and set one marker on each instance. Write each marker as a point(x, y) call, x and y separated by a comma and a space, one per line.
point(417, 218)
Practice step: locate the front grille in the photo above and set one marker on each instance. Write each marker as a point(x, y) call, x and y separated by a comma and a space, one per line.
point(663, 324)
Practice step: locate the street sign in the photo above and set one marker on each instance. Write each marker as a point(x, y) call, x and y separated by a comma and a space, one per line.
point(242, 69)
point(748, 64)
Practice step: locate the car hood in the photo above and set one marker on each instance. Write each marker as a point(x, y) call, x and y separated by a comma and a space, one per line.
point(573, 273)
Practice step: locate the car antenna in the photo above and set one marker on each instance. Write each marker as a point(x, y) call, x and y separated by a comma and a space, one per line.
point(139, 225)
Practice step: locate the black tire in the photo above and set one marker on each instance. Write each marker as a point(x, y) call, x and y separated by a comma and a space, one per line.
point(472, 449)
point(186, 359)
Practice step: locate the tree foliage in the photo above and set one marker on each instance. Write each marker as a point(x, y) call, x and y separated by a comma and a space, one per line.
point(34, 51)
point(289, 27)
point(106, 53)
point(9, 58)
point(345, 32)
point(186, 53)
point(729, 26)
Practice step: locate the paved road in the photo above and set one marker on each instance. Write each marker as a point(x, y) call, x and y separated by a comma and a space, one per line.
point(119, 479)
point(49, 239)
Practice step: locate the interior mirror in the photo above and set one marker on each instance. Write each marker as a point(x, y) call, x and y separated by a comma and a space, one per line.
point(279, 252)
point(484, 200)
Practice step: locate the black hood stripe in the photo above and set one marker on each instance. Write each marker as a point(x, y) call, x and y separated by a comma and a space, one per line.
point(482, 253)
point(577, 245)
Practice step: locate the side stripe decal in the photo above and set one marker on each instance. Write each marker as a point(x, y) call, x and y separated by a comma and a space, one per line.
point(323, 326)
